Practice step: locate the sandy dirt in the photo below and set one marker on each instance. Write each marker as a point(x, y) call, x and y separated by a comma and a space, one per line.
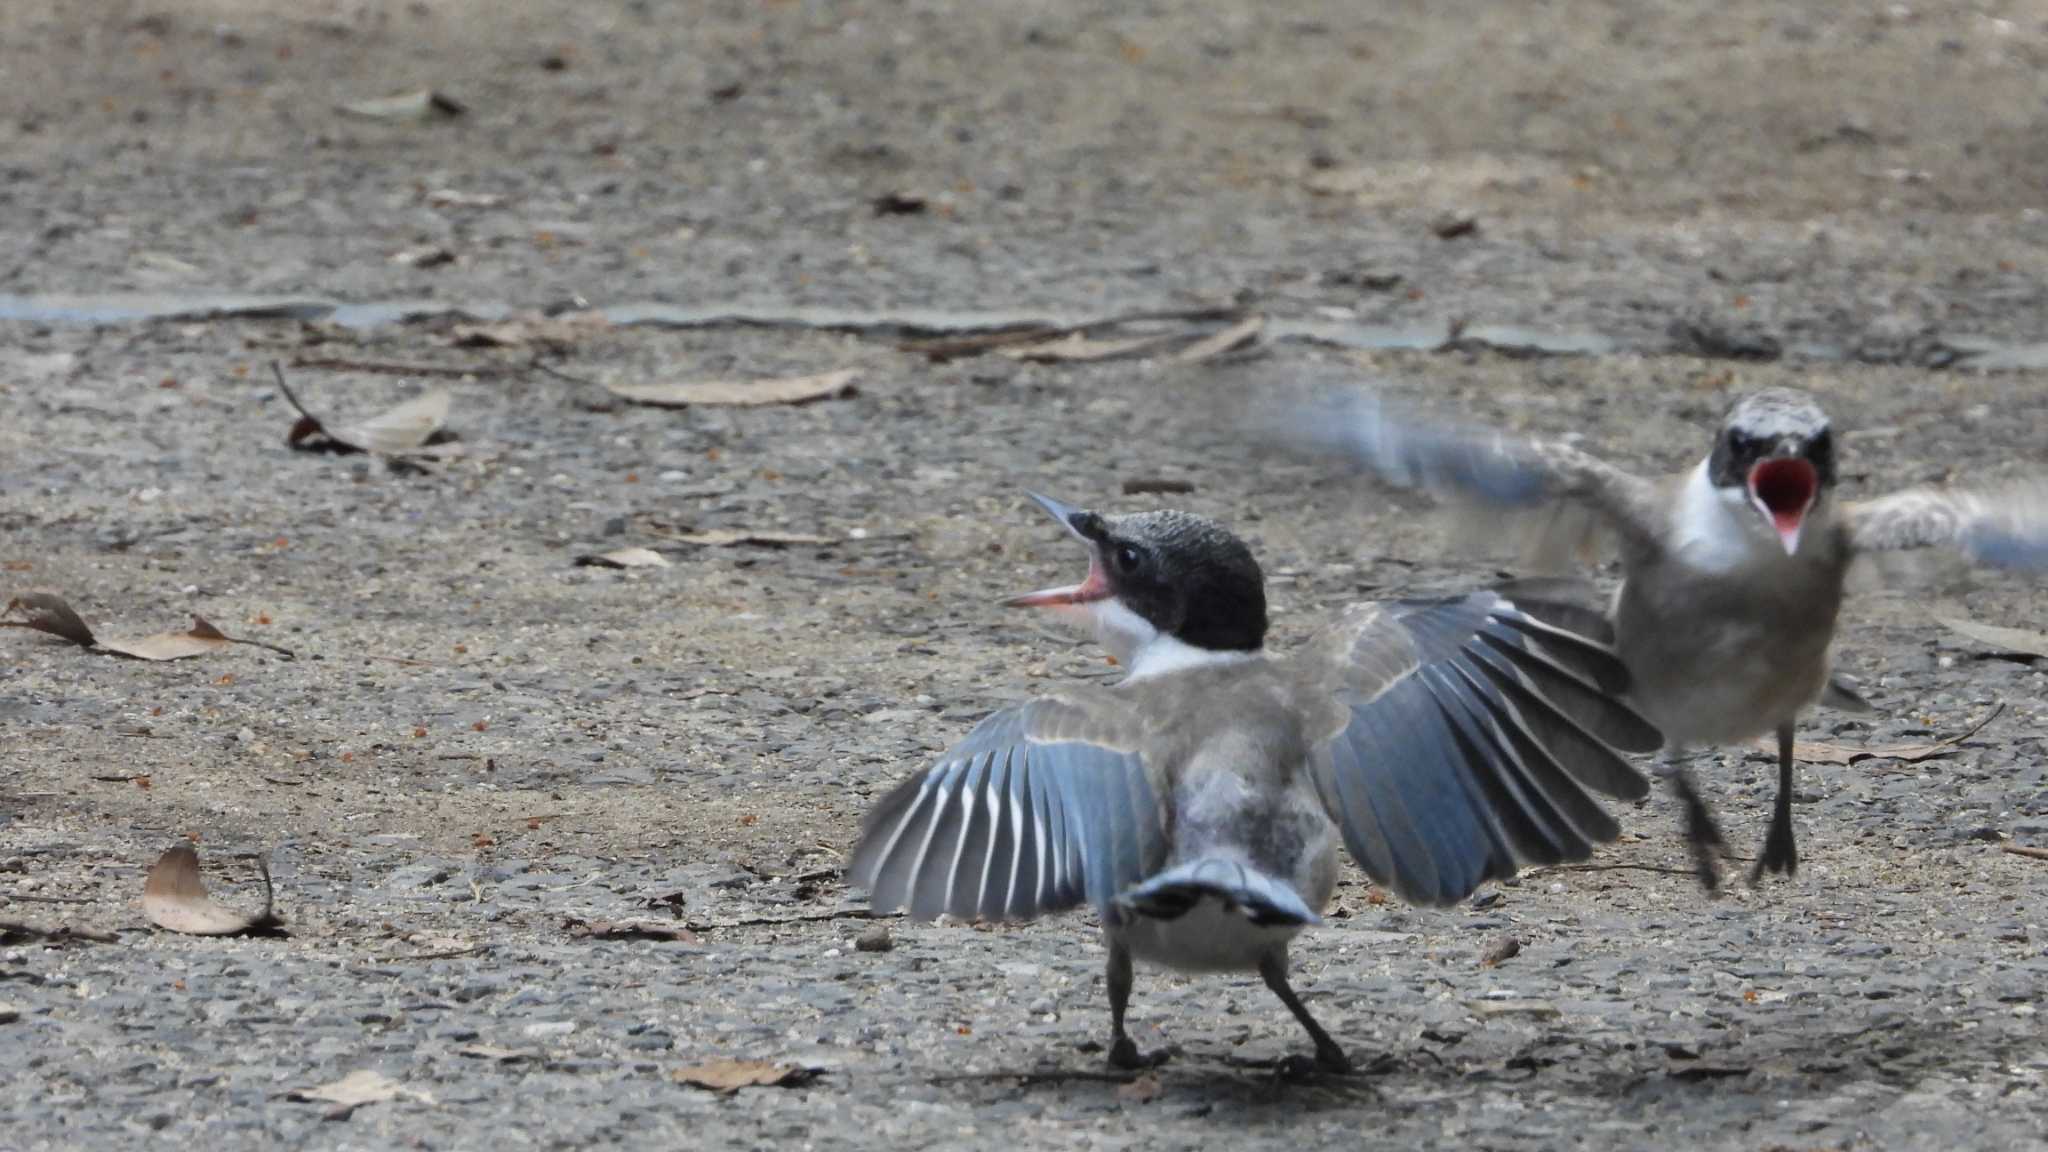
point(479, 745)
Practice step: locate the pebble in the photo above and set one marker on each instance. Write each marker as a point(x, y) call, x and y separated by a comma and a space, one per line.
point(545, 1028)
point(9, 1013)
point(875, 939)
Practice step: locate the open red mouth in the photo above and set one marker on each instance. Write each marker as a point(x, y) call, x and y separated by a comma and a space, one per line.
point(1095, 587)
point(1785, 486)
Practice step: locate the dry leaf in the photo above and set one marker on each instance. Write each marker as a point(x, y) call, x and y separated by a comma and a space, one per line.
point(1230, 339)
point(740, 393)
point(728, 537)
point(629, 930)
point(498, 1055)
point(364, 1086)
point(1819, 752)
point(412, 428)
point(1078, 348)
point(625, 558)
point(2017, 641)
point(733, 1075)
point(50, 615)
point(419, 105)
point(175, 897)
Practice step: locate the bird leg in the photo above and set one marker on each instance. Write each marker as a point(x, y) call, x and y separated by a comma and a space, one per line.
point(1329, 1056)
point(1701, 832)
point(1781, 851)
point(1123, 1051)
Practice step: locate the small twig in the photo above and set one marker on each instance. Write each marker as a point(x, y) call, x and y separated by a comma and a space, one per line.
point(284, 652)
point(277, 370)
point(29, 898)
point(1623, 868)
point(445, 954)
point(2027, 850)
point(809, 918)
point(1039, 1076)
point(393, 368)
point(10, 929)
point(540, 365)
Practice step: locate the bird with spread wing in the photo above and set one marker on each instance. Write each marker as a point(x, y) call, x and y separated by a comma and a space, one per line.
point(1198, 804)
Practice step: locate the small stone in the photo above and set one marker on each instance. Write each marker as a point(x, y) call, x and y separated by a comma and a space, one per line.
point(545, 1028)
point(875, 939)
point(9, 1013)
point(1453, 223)
point(245, 735)
point(1503, 949)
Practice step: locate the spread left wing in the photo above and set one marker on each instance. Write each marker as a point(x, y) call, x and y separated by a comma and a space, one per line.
point(1462, 737)
point(1042, 807)
point(2005, 528)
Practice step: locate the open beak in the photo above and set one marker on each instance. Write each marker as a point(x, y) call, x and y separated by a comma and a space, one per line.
point(1094, 587)
point(1783, 488)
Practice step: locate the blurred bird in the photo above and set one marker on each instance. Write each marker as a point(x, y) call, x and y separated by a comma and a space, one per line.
point(1197, 805)
point(1733, 571)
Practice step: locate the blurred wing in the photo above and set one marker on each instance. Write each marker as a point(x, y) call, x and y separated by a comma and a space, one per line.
point(1492, 468)
point(1466, 735)
point(2005, 529)
point(1041, 807)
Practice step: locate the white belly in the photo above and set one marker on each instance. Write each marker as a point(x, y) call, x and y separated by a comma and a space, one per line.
point(1206, 938)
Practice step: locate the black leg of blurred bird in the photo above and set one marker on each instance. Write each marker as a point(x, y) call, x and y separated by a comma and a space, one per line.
point(1123, 1052)
point(1700, 830)
point(1329, 1056)
point(1781, 850)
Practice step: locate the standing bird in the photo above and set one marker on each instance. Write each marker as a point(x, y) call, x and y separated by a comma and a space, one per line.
point(1197, 805)
point(1733, 571)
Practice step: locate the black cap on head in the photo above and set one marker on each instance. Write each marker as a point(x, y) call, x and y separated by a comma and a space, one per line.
point(1187, 575)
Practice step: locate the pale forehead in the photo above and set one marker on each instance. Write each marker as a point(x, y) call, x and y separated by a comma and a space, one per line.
point(1777, 412)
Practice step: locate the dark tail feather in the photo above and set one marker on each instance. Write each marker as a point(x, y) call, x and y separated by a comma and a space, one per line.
point(1264, 899)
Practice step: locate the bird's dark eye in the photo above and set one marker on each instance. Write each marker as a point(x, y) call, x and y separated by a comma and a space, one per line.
point(1126, 558)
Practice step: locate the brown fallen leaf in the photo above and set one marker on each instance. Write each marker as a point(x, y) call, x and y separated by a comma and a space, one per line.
point(50, 615)
point(1500, 951)
point(625, 558)
point(1079, 348)
point(729, 537)
point(740, 393)
point(1820, 752)
point(413, 428)
point(418, 105)
point(2015, 641)
point(629, 930)
point(1238, 335)
point(175, 897)
point(729, 1076)
point(363, 1086)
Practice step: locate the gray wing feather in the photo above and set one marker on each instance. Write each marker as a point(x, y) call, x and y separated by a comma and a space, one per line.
point(1040, 808)
point(2006, 528)
point(1468, 737)
point(1493, 468)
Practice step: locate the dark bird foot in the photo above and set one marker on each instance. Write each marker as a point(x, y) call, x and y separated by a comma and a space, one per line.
point(1124, 1054)
point(1780, 854)
point(1701, 832)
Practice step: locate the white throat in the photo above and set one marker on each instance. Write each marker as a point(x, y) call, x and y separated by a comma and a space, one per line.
point(1146, 651)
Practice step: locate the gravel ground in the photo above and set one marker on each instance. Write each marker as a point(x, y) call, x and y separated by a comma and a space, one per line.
point(480, 749)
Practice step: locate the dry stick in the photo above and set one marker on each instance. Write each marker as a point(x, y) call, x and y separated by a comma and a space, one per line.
point(1043, 1076)
point(57, 935)
point(1622, 868)
point(394, 368)
point(809, 918)
point(2027, 850)
point(539, 365)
